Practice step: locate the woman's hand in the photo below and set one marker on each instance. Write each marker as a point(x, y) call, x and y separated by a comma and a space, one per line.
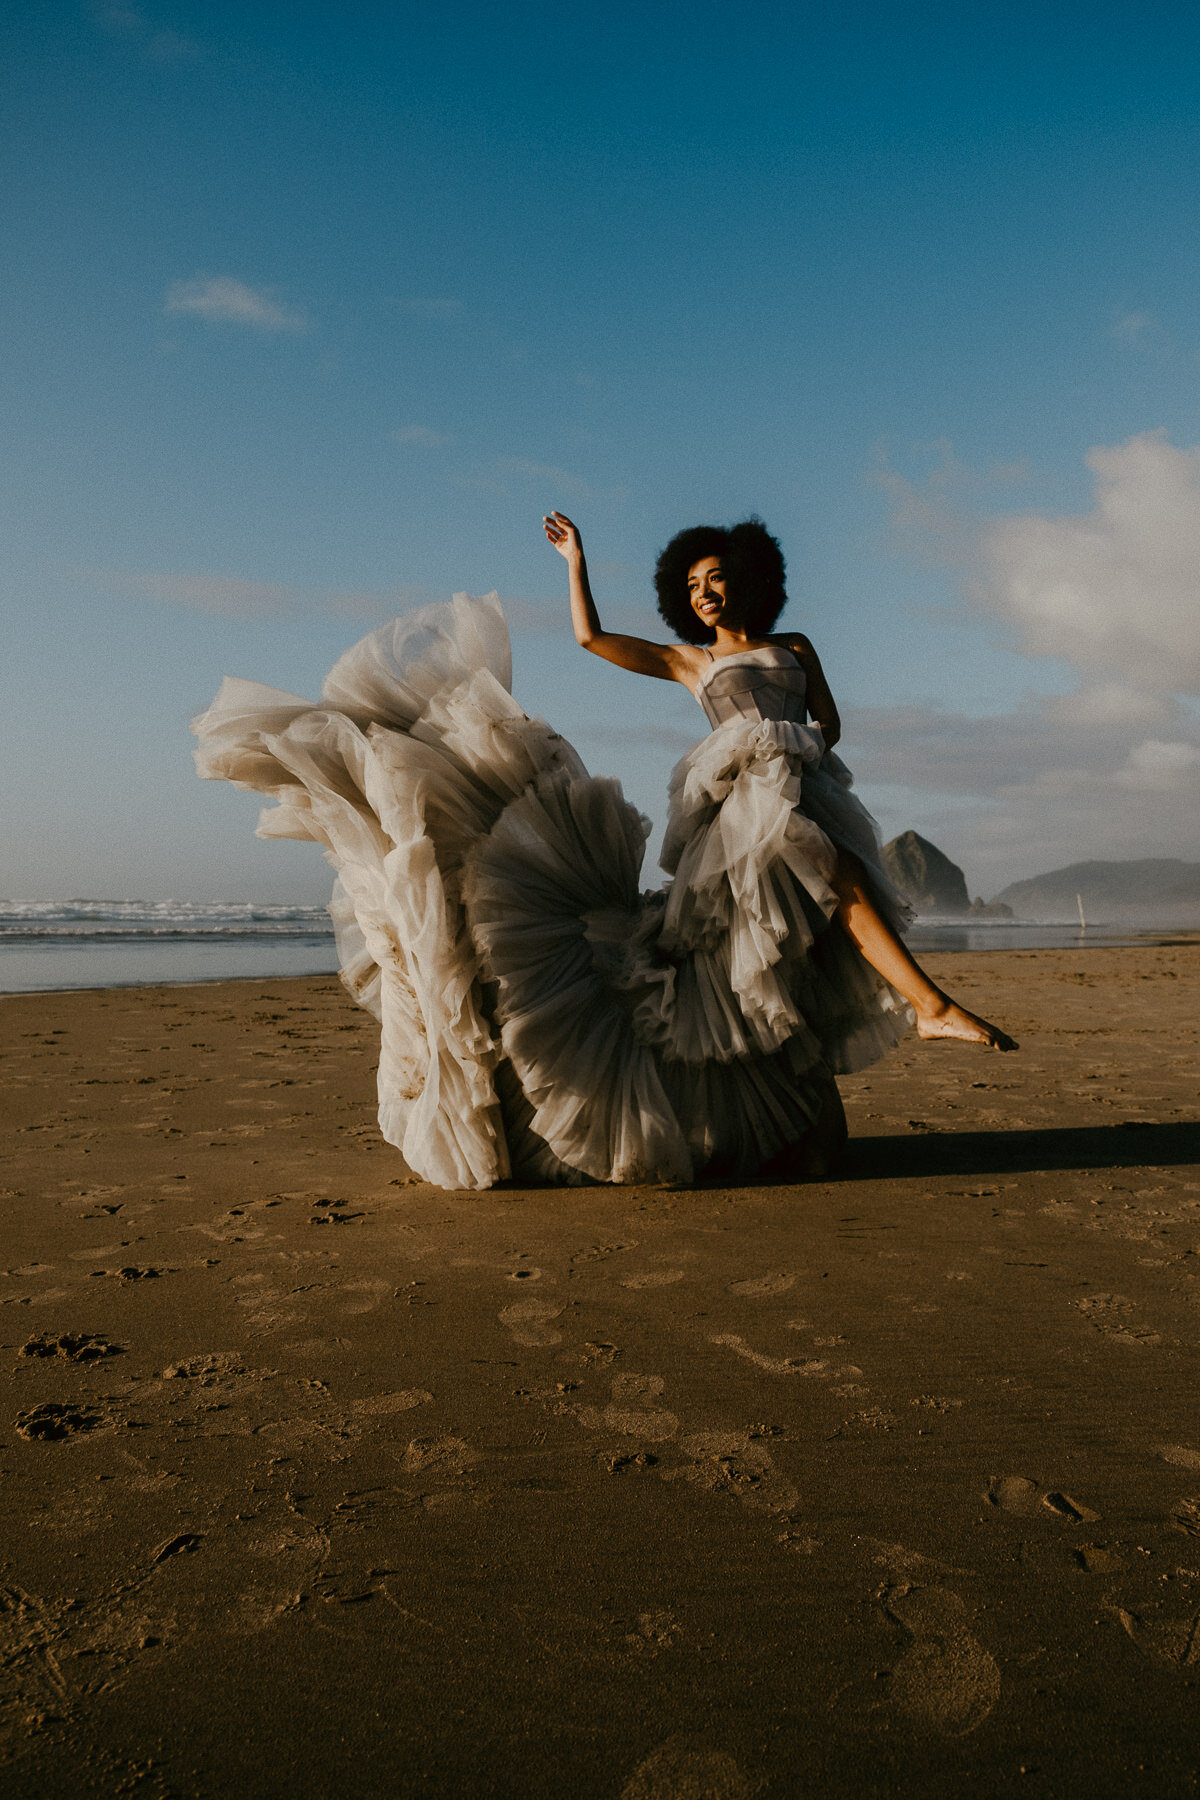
point(563, 535)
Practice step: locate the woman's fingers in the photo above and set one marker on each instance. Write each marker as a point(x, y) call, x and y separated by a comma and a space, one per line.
point(560, 531)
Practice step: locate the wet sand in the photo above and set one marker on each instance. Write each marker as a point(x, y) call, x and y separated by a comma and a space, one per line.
point(317, 1481)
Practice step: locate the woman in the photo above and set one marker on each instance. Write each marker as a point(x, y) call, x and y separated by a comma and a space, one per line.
point(540, 1017)
point(721, 591)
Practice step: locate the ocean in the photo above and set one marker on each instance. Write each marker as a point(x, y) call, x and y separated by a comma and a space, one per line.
point(51, 944)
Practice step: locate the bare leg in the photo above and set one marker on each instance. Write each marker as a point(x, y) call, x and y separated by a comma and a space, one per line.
point(937, 1015)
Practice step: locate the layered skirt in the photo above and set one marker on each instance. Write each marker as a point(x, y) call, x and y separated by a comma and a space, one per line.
point(540, 1016)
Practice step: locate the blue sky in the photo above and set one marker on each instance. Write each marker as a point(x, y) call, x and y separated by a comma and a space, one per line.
point(314, 310)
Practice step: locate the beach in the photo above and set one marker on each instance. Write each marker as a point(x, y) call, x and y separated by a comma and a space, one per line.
point(320, 1481)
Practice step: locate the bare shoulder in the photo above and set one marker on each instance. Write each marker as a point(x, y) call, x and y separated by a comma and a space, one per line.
point(797, 643)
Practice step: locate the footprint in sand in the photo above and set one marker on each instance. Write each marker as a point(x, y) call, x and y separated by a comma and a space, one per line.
point(633, 1412)
point(736, 1463)
point(1018, 1494)
point(370, 1295)
point(1180, 1455)
point(440, 1456)
point(781, 1365)
point(208, 1369)
point(658, 1630)
point(685, 1768)
point(1113, 1315)
point(1013, 1493)
point(379, 1405)
point(1186, 1515)
point(1073, 1511)
point(652, 1278)
point(269, 1564)
point(903, 1564)
point(945, 1680)
point(528, 1323)
point(1171, 1640)
point(762, 1285)
point(1098, 1559)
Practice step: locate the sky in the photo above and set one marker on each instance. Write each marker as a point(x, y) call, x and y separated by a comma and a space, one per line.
point(312, 311)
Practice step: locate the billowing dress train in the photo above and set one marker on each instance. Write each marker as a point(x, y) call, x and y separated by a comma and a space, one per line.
point(541, 1016)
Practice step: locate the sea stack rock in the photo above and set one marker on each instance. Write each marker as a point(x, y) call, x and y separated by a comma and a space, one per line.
point(991, 909)
point(926, 877)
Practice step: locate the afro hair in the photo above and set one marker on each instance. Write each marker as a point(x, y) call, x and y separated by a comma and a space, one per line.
point(754, 571)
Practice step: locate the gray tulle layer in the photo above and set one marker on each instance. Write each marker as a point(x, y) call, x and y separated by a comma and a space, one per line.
point(541, 1016)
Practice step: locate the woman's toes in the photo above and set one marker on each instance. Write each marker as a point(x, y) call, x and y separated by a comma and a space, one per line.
point(963, 1027)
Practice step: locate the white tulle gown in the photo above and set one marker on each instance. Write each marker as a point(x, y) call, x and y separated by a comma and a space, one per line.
point(540, 1016)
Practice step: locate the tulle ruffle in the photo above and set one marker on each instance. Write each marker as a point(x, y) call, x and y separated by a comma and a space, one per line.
point(539, 1014)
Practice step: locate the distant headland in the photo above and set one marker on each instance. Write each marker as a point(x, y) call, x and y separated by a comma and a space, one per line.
point(1154, 891)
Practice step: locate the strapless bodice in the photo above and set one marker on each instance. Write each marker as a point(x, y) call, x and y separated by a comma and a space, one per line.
point(766, 683)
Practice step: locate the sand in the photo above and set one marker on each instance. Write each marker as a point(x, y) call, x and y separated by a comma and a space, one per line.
point(317, 1481)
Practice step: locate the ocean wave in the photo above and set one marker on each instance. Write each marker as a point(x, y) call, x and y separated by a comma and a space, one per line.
point(24, 921)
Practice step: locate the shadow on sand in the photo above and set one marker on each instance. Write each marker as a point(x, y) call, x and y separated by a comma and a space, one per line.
point(1135, 1144)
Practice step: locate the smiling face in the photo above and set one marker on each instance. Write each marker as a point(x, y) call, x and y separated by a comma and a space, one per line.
point(708, 593)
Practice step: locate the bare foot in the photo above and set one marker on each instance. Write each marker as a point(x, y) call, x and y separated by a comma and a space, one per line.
point(951, 1021)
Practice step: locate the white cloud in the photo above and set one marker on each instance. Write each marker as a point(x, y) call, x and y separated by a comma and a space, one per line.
point(657, 737)
point(221, 299)
point(1112, 704)
point(547, 475)
point(1158, 767)
point(159, 45)
point(947, 752)
point(1115, 592)
point(226, 594)
point(233, 596)
point(236, 597)
point(931, 516)
point(1109, 770)
point(1134, 327)
point(117, 18)
point(423, 435)
point(540, 616)
point(537, 616)
point(1016, 794)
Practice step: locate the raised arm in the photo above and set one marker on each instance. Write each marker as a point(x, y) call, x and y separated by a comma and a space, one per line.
point(669, 662)
point(821, 708)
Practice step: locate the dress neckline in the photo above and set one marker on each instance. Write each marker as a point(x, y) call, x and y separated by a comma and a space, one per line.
point(738, 656)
